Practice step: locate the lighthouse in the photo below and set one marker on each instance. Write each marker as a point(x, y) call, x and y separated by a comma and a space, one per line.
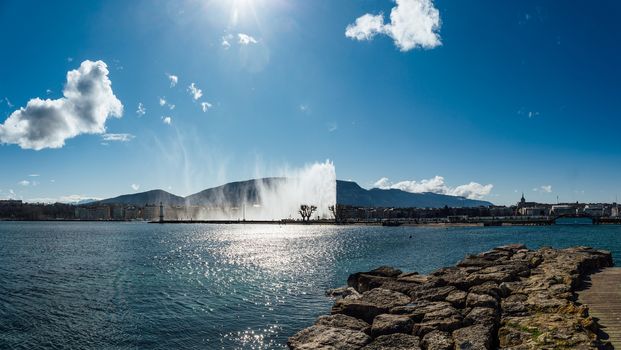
point(161, 213)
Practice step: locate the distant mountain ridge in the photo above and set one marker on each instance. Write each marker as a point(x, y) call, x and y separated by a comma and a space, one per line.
point(347, 193)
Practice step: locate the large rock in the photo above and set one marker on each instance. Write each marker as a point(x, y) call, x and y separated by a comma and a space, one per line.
point(446, 319)
point(343, 321)
point(481, 300)
point(372, 303)
point(388, 324)
point(477, 337)
point(437, 340)
point(323, 337)
point(365, 281)
point(397, 341)
point(483, 315)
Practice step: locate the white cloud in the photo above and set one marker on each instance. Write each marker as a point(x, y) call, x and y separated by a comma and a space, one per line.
point(27, 183)
point(162, 101)
point(8, 103)
point(135, 187)
point(195, 91)
point(171, 106)
point(48, 91)
point(167, 120)
point(173, 79)
point(413, 24)
point(87, 104)
point(366, 27)
point(245, 39)
point(436, 184)
point(205, 106)
point(118, 137)
point(34, 175)
point(141, 109)
point(546, 188)
point(225, 43)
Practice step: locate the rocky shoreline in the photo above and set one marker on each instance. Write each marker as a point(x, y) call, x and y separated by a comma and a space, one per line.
point(508, 298)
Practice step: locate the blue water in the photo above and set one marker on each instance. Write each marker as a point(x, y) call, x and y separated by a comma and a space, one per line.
point(135, 285)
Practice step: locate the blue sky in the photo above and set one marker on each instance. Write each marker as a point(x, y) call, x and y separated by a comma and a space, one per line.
point(447, 96)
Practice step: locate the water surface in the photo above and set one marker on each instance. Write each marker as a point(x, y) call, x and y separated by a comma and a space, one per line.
point(133, 285)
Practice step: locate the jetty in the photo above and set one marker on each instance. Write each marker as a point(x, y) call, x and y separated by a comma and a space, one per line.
point(510, 297)
point(603, 297)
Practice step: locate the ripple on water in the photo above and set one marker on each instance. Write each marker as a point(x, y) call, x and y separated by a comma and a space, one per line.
point(128, 285)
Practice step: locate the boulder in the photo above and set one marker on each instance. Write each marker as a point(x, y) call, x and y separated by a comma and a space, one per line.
point(388, 324)
point(372, 303)
point(477, 337)
point(437, 340)
point(481, 300)
point(482, 315)
point(343, 321)
point(446, 319)
point(323, 337)
point(417, 311)
point(457, 298)
point(397, 341)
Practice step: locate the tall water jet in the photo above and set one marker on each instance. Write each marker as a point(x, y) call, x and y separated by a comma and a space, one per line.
point(314, 184)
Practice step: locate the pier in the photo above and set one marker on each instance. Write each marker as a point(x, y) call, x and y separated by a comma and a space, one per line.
point(603, 297)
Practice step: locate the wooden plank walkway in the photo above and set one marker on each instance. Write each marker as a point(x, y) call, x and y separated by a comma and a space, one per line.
point(603, 296)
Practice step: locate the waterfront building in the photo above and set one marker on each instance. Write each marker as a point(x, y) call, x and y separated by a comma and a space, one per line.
point(534, 211)
point(564, 209)
point(594, 210)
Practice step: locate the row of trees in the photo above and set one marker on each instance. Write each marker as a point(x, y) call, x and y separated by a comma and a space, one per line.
point(338, 211)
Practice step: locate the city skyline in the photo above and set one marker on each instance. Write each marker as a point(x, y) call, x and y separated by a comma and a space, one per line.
point(418, 95)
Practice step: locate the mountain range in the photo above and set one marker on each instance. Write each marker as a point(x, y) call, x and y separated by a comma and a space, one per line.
point(347, 193)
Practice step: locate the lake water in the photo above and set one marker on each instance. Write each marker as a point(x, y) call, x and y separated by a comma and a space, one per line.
point(134, 285)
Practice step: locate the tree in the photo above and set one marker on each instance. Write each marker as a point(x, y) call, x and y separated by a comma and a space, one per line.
point(306, 211)
point(339, 212)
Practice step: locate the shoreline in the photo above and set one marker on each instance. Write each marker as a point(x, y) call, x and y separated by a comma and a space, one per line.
point(507, 298)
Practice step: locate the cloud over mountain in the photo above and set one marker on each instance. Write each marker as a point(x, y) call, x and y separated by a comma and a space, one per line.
point(472, 190)
point(87, 104)
point(413, 23)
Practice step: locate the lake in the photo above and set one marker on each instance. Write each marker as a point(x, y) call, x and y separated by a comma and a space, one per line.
point(110, 285)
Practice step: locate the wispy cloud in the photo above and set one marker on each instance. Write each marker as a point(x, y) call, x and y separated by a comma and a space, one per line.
point(413, 24)
point(118, 137)
point(135, 187)
point(34, 175)
point(472, 190)
point(195, 91)
point(173, 79)
point(87, 104)
point(205, 106)
point(167, 120)
point(226, 41)
point(162, 101)
point(333, 126)
point(245, 39)
point(544, 188)
point(24, 183)
point(141, 110)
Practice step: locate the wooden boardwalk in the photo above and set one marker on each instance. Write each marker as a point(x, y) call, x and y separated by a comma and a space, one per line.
point(603, 296)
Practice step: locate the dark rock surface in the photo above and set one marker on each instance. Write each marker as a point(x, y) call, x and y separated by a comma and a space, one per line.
point(509, 298)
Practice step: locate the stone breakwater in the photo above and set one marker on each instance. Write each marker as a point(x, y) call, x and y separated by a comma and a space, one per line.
point(508, 298)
